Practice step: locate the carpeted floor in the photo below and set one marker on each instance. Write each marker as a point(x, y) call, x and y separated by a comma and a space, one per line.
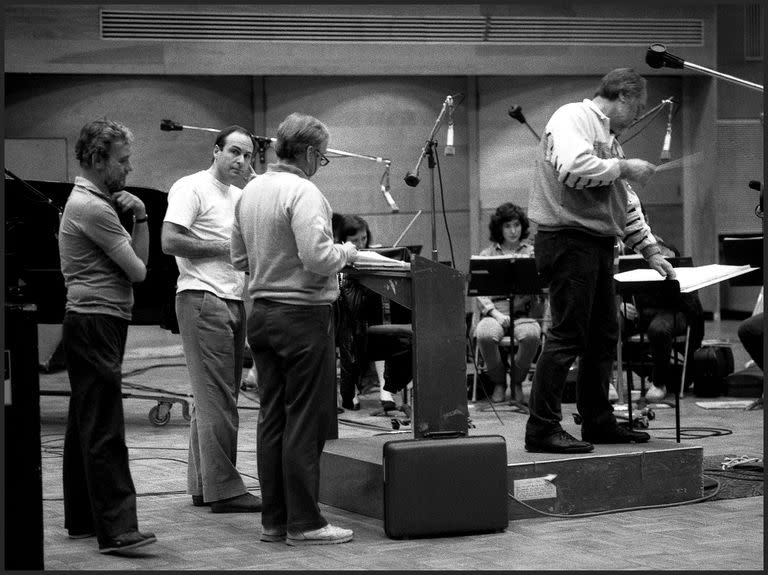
point(736, 482)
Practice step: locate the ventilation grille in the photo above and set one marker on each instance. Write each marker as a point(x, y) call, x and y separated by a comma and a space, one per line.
point(753, 33)
point(200, 26)
point(596, 31)
point(282, 28)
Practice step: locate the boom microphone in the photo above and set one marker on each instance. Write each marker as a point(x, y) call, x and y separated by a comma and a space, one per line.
point(657, 56)
point(516, 112)
point(755, 185)
point(170, 126)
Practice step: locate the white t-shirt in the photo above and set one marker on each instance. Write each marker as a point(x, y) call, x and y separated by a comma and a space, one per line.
point(206, 207)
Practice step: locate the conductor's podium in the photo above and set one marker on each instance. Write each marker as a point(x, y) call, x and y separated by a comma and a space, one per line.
point(611, 477)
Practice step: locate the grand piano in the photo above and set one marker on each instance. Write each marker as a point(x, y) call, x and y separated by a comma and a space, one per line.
point(32, 267)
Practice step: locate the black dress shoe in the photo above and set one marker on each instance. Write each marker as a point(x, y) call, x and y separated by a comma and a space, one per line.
point(80, 534)
point(198, 501)
point(125, 541)
point(615, 434)
point(245, 503)
point(558, 442)
point(388, 405)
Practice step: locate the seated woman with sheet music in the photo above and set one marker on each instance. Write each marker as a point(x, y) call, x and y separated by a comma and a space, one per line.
point(358, 308)
point(493, 319)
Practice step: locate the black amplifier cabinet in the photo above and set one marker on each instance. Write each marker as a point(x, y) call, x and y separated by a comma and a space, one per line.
point(23, 497)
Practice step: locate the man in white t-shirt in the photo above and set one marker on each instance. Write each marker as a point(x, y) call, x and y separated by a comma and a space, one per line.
point(211, 314)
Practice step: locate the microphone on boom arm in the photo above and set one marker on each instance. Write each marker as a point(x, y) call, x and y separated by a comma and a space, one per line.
point(170, 126)
point(516, 112)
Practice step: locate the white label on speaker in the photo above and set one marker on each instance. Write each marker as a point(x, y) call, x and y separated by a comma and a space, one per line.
point(7, 370)
point(535, 488)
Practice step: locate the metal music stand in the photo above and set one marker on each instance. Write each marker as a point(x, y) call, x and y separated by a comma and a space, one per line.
point(667, 290)
point(744, 250)
point(503, 276)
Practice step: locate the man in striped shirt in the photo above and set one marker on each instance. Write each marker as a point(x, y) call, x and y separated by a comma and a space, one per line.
point(580, 201)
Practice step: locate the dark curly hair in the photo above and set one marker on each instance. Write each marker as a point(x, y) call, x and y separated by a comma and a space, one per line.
point(507, 212)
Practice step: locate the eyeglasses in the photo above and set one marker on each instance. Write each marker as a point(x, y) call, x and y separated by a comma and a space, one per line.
point(323, 160)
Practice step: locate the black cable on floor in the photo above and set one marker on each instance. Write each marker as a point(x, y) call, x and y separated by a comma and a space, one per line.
point(147, 368)
point(623, 509)
point(686, 432)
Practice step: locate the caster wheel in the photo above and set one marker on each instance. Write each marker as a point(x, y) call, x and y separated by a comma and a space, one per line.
point(577, 419)
point(651, 414)
point(160, 414)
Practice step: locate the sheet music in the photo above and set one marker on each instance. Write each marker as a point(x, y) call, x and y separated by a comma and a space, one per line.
point(368, 260)
point(690, 278)
point(502, 257)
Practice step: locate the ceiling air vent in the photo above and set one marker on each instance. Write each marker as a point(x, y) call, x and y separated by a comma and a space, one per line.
point(145, 25)
point(596, 31)
point(249, 27)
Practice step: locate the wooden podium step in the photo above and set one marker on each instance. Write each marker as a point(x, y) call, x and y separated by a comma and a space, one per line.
point(611, 477)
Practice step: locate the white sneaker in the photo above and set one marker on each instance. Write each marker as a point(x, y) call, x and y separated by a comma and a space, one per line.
point(328, 535)
point(654, 393)
point(613, 395)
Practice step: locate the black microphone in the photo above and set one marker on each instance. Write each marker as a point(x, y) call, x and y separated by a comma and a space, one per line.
point(516, 112)
point(449, 149)
point(170, 126)
point(657, 56)
point(411, 179)
point(755, 185)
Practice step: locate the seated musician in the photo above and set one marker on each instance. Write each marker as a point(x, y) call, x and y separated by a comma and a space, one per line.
point(661, 322)
point(493, 319)
point(358, 307)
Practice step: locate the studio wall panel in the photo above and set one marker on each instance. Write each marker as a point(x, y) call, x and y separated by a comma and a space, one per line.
point(57, 106)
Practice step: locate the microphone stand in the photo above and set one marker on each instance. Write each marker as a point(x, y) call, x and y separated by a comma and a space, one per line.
point(412, 178)
point(263, 142)
point(657, 56)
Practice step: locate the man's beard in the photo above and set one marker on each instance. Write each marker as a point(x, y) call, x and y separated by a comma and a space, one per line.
point(114, 185)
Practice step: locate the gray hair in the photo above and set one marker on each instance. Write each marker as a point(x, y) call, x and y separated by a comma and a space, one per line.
point(296, 133)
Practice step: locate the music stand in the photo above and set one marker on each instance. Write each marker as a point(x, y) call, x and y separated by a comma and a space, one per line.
point(744, 250)
point(634, 263)
point(667, 290)
point(503, 276)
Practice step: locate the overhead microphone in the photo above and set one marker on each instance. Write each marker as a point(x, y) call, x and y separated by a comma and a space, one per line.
point(657, 56)
point(667, 145)
point(516, 112)
point(384, 186)
point(170, 126)
point(449, 149)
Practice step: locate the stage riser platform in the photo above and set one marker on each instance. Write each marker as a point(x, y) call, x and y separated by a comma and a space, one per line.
point(352, 477)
